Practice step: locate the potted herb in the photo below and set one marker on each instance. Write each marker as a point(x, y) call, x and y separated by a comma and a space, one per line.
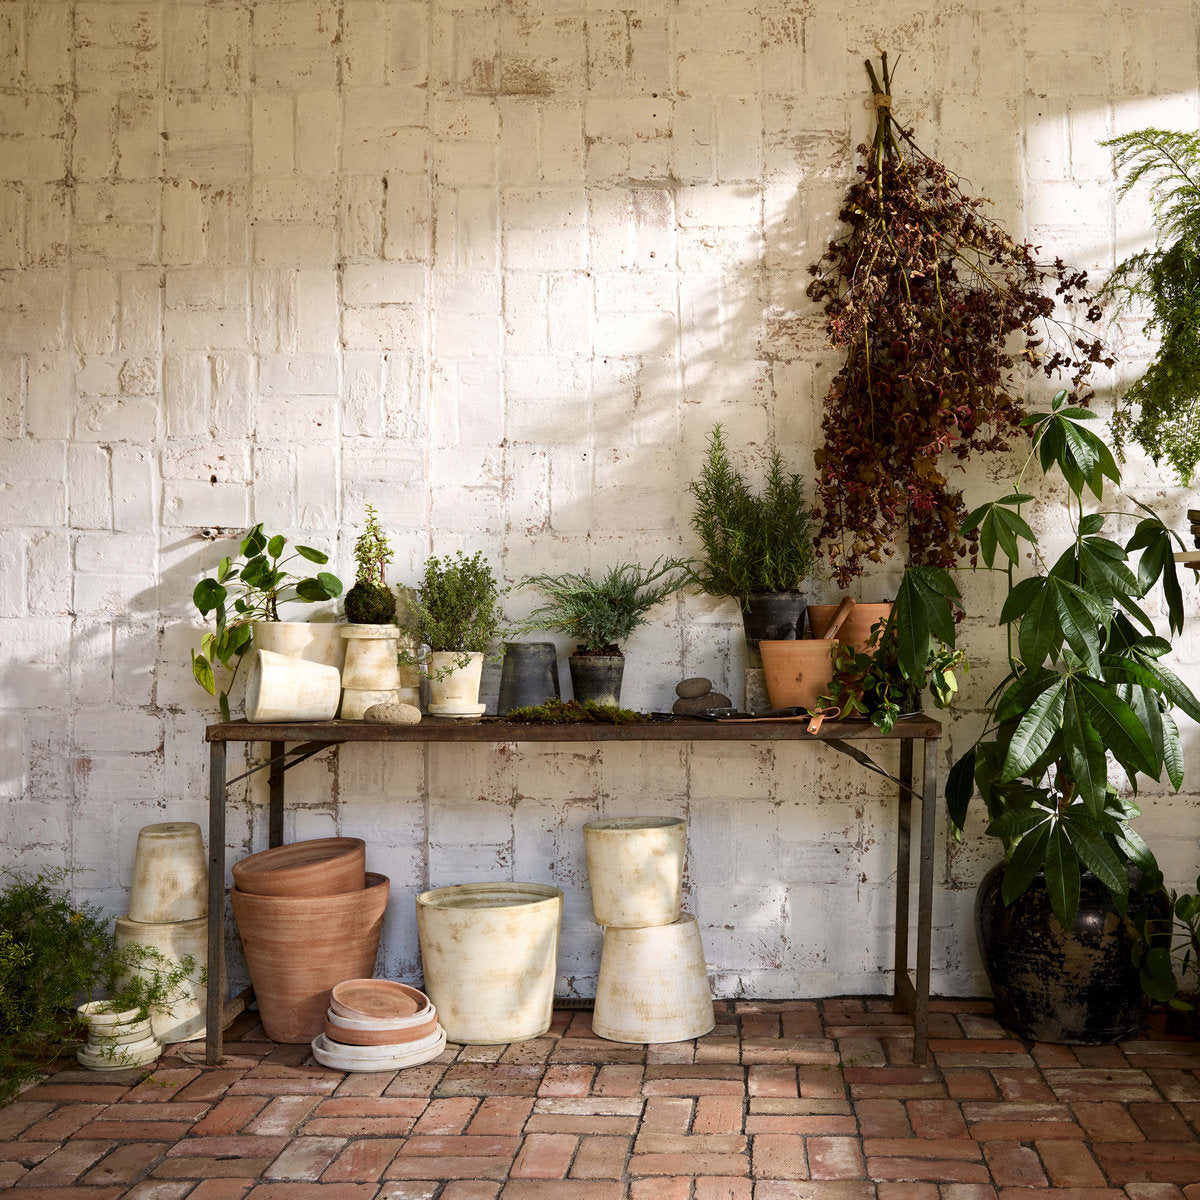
point(457, 607)
point(1086, 679)
point(245, 596)
point(1166, 282)
point(600, 614)
point(756, 547)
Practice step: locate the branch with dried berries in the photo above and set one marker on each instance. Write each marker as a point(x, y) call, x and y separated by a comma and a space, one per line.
point(940, 313)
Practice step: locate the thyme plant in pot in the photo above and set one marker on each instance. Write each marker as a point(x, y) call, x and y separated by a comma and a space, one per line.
point(457, 607)
point(600, 614)
point(244, 596)
point(756, 547)
point(1086, 679)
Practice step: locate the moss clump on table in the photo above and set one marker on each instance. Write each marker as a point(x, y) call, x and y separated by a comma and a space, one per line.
point(571, 712)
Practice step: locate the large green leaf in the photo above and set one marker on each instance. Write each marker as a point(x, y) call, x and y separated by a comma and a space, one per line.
point(1078, 613)
point(1085, 753)
point(911, 621)
point(207, 595)
point(1172, 751)
point(1021, 693)
point(1017, 822)
point(1176, 691)
point(1062, 877)
point(960, 787)
point(1093, 850)
point(202, 672)
point(1020, 597)
point(1027, 859)
point(1035, 731)
point(275, 545)
point(1040, 636)
point(314, 556)
point(1119, 727)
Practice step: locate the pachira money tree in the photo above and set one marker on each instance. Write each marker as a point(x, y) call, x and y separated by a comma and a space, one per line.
point(1087, 678)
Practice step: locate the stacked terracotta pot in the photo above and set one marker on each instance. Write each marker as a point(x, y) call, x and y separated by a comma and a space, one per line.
point(653, 984)
point(378, 1025)
point(310, 916)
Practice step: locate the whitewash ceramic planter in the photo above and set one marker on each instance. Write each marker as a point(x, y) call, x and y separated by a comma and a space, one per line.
point(184, 1018)
point(283, 688)
point(490, 953)
point(635, 865)
point(377, 1058)
point(371, 674)
point(313, 641)
point(456, 693)
point(170, 873)
point(116, 1040)
point(653, 985)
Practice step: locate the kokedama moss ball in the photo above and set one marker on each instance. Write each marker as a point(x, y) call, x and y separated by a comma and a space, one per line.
point(370, 604)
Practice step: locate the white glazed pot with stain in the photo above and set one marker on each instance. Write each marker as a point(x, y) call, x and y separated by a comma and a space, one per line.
point(170, 873)
point(454, 689)
point(183, 1019)
point(313, 641)
point(372, 671)
point(283, 688)
point(635, 865)
point(653, 985)
point(116, 1040)
point(490, 953)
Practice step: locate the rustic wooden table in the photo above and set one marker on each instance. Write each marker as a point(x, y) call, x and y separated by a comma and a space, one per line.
point(910, 992)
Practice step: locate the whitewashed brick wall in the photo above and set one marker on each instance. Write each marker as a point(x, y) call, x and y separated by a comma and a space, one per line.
point(496, 267)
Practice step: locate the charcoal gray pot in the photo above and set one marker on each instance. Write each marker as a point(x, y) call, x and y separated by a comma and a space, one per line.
point(774, 617)
point(528, 676)
point(597, 677)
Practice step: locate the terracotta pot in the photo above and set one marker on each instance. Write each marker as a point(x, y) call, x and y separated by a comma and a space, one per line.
point(797, 672)
point(635, 867)
point(349, 1032)
point(170, 873)
point(318, 867)
point(856, 629)
point(298, 947)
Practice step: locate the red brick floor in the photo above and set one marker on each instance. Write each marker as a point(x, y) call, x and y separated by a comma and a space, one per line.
point(798, 1100)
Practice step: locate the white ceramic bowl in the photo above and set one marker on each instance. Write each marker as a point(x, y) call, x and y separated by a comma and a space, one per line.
point(377, 1058)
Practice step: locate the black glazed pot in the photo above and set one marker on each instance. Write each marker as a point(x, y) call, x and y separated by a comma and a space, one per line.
point(597, 677)
point(1073, 988)
point(773, 617)
point(529, 675)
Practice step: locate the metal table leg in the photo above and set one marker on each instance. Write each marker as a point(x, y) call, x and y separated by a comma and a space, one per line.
point(925, 902)
point(276, 792)
point(216, 902)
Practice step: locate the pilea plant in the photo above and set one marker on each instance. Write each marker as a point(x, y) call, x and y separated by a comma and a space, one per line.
point(370, 601)
point(937, 310)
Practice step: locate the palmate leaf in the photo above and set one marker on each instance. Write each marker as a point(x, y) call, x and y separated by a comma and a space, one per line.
point(1172, 750)
point(1175, 690)
point(1035, 731)
point(1028, 858)
point(1062, 877)
point(1092, 849)
point(1021, 693)
point(1119, 728)
point(960, 787)
point(1020, 597)
point(1078, 613)
point(1085, 753)
point(1040, 636)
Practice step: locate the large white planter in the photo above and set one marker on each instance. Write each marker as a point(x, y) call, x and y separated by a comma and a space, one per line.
point(635, 865)
point(490, 953)
point(184, 1018)
point(454, 690)
point(170, 873)
point(653, 985)
point(313, 641)
point(283, 688)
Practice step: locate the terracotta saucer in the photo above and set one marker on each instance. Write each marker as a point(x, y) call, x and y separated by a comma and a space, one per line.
point(378, 999)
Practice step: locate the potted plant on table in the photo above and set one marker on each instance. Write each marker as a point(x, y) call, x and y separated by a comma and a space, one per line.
point(243, 599)
point(457, 608)
point(600, 614)
point(1086, 679)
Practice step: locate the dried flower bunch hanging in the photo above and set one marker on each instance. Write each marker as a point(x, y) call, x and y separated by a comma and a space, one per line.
point(937, 309)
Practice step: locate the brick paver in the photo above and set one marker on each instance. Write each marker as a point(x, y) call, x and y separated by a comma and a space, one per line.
point(800, 1100)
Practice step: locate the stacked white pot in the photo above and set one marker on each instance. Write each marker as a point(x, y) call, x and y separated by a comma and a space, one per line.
point(378, 1025)
point(653, 984)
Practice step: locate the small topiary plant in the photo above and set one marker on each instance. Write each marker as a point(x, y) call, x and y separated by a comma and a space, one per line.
point(458, 604)
point(370, 601)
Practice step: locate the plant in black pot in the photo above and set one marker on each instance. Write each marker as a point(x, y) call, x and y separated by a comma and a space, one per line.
point(600, 614)
point(754, 546)
point(1086, 679)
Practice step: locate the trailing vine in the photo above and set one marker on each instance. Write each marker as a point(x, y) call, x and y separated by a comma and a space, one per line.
point(940, 313)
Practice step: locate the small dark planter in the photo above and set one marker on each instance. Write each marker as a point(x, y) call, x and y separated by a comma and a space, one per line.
point(1078, 988)
point(597, 677)
point(774, 617)
point(529, 675)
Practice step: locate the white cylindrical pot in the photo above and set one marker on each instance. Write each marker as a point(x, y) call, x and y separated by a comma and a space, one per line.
point(454, 690)
point(635, 865)
point(371, 656)
point(313, 641)
point(653, 985)
point(184, 1018)
point(283, 688)
point(170, 873)
point(490, 953)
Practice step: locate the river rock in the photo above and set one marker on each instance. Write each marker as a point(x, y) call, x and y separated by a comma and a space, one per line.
point(692, 706)
point(689, 689)
point(393, 714)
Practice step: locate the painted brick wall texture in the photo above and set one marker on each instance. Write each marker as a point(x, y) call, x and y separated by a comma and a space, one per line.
point(496, 268)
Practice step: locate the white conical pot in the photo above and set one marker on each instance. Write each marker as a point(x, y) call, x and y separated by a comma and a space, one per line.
point(635, 865)
point(372, 671)
point(313, 641)
point(283, 688)
point(184, 1018)
point(653, 985)
point(170, 873)
point(490, 954)
point(454, 690)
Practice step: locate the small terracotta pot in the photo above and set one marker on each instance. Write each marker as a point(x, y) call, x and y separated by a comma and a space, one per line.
point(318, 867)
point(797, 672)
point(348, 1032)
point(298, 947)
point(856, 629)
point(378, 1000)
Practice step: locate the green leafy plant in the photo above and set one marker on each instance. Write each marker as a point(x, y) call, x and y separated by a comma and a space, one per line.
point(457, 605)
point(939, 313)
point(575, 712)
point(1166, 281)
point(370, 601)
point(1168, 951)
point(750, 543)
point(1086, 679)
point(601, 613)
point(247, 591)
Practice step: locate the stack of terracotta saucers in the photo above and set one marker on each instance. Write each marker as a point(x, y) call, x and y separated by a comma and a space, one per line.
point(378, 1025)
